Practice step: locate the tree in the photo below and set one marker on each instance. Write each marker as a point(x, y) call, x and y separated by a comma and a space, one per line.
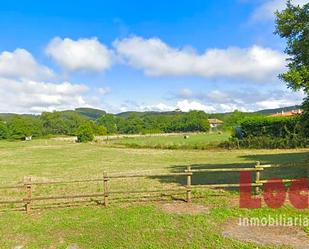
point(232, 120)
point(64, 123)
point(85, 133)
point(25, 126)
point(293, 24)
point(189, 122)
point(132, 125)
point(98, 130)
point(109, 121)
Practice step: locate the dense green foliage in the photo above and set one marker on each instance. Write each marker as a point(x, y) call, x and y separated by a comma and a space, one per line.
point(135, 123)
point(192, 121)
point(109, 121)
point(62, 123)
point(48, 123)
point(90, 113)
point(269, 132)
point(20, 127)
point(292, 24)
point(70, 123)
point(85, 133)
point(271, 126)
point(233, 120)
point(4, 132)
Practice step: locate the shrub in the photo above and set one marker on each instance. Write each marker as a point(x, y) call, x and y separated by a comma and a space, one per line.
point(271, 126)
point(85, 133)
point(4, 133)
point(269, 133)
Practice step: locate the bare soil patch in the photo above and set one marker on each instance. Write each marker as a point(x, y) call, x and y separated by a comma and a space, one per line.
point(183, 208)
point(293, 237)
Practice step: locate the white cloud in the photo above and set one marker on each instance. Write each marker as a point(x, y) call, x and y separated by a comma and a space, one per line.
point(217, 101)
point(156, 58)
point(183, 105)
point(187, 105)
point(269, 7)
point(249, 99)
point(104, 90)
point(80, 55)
point(21, 64)
point(26, 96)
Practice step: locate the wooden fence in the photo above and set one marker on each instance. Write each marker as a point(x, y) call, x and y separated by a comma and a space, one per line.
point(188, 173)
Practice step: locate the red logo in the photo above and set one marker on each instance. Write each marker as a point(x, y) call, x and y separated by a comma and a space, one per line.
point(275, 193)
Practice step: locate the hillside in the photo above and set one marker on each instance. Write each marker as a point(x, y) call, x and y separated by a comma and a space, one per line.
point(212, 115)
point(90, 112)
point(277, 110)
point(94, 114)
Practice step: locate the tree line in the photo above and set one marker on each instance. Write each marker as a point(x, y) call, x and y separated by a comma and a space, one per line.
point(71, 123)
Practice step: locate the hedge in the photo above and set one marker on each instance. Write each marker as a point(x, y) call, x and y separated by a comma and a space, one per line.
point(271, 126)
point(269, 133)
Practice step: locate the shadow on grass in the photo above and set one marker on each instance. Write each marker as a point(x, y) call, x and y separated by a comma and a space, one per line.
point(291, 166)
point(281, 158)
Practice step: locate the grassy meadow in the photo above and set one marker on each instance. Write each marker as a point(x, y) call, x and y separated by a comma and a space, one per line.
point(127, 224)
point(193, 141)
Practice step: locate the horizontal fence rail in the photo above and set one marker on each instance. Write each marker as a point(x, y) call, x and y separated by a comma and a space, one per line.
point(27, 188)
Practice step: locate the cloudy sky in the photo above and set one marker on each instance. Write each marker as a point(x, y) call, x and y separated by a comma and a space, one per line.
point(215, 55)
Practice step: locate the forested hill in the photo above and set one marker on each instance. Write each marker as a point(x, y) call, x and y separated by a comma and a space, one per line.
point(147, 113)
point(215, 115)
point(278, 110)
point(90, 112)
point(94, 114)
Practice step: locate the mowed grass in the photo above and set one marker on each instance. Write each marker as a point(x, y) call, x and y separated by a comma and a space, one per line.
point(181, 141)
point(130, 225)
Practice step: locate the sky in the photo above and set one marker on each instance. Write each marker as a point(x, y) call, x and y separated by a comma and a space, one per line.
point(215, 55)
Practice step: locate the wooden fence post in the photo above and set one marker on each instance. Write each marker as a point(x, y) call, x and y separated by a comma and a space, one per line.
point(105, 181)
point(28, 187)
point(257, 177)
point(189, 181)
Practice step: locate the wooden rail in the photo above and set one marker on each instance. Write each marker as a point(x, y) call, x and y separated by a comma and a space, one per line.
point(188, 173)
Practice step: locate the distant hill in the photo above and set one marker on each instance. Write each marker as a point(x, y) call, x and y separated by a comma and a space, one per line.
point(90, 112)
point(94, 114)
point(212, 115)
point(277, 110)
point(8, 116)
point(147, 113)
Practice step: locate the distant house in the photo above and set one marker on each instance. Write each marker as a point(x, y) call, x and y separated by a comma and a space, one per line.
point(288, 114)
point(214, 122)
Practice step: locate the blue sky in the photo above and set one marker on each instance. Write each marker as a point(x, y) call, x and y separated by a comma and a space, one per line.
point(216, 55)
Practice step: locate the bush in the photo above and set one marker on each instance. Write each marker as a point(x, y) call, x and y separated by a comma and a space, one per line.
point(269, 133)
point(85, 133)
point(4, 132)
point(271, 126)
point(20, 127)
point(266, 142)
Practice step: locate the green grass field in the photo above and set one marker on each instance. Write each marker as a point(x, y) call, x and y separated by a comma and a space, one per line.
point(126, 224)
point(194, 141)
